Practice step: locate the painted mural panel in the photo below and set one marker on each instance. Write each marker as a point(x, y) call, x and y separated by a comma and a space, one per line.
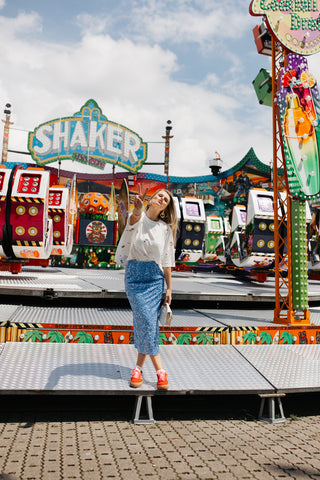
point(299, 109)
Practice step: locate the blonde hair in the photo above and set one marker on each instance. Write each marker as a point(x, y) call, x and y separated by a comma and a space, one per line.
point(169, 215)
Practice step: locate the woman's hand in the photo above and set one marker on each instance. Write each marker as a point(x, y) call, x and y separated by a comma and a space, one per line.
point(168, 297)
point(167, 277)
point(139, 199)
point(138, 204)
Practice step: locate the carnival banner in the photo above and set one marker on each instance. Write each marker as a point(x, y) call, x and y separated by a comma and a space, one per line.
point(88, 139)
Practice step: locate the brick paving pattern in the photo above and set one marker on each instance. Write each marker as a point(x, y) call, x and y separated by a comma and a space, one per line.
point(169, 449)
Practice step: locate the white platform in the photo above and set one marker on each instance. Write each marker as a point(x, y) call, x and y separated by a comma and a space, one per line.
point(109, 284)
point(30, 368)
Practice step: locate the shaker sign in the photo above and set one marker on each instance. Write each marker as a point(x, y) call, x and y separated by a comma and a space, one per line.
point(296, 23)
point(89, 139)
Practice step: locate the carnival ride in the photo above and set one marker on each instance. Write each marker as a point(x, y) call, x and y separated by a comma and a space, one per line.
point(40, 221)
point(36, 218)
point(249, 243)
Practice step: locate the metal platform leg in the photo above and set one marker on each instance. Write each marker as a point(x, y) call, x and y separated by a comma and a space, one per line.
point(271, 418)
point(137, 419)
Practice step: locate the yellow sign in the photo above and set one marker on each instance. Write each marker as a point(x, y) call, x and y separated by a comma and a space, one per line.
point(296, 23)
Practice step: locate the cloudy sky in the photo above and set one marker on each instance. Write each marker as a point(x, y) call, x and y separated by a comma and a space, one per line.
point(144, 62)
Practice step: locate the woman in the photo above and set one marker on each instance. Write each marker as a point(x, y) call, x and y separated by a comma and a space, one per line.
point(150, 259)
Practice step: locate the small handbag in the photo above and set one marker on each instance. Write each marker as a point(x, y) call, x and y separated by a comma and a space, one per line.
point(165, 315)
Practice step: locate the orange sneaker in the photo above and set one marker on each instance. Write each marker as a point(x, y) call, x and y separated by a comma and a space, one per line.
point(136, 378)
point(162, 383)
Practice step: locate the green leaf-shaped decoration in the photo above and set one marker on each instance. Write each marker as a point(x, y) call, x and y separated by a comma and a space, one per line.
point(83, 337)
point(54, 336)
point(287, 337)
point(184, 338)
point(162, 338)
point(33, 336)
point(266, 338)
point(204, 338)
point(250, 337)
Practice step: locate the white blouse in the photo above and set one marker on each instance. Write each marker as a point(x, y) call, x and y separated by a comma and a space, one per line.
point(151, 241)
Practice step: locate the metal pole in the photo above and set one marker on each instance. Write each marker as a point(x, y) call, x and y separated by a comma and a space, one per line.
point(284, 311)
point(282, 206)
point(166, 150)
point(275, 185)
point(5, 142)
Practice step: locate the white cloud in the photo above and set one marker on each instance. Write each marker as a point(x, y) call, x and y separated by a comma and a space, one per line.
point(88, 23)
point(24, 23)
point(205, 23)
point(133, 84)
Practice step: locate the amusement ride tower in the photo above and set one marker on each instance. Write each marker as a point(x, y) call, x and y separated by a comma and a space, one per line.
point(293, 28)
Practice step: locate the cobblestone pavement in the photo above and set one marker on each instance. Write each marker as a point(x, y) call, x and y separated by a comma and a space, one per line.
point(56, 440)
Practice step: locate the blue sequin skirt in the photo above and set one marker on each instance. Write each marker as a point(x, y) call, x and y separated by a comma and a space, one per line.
point(144, 283)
